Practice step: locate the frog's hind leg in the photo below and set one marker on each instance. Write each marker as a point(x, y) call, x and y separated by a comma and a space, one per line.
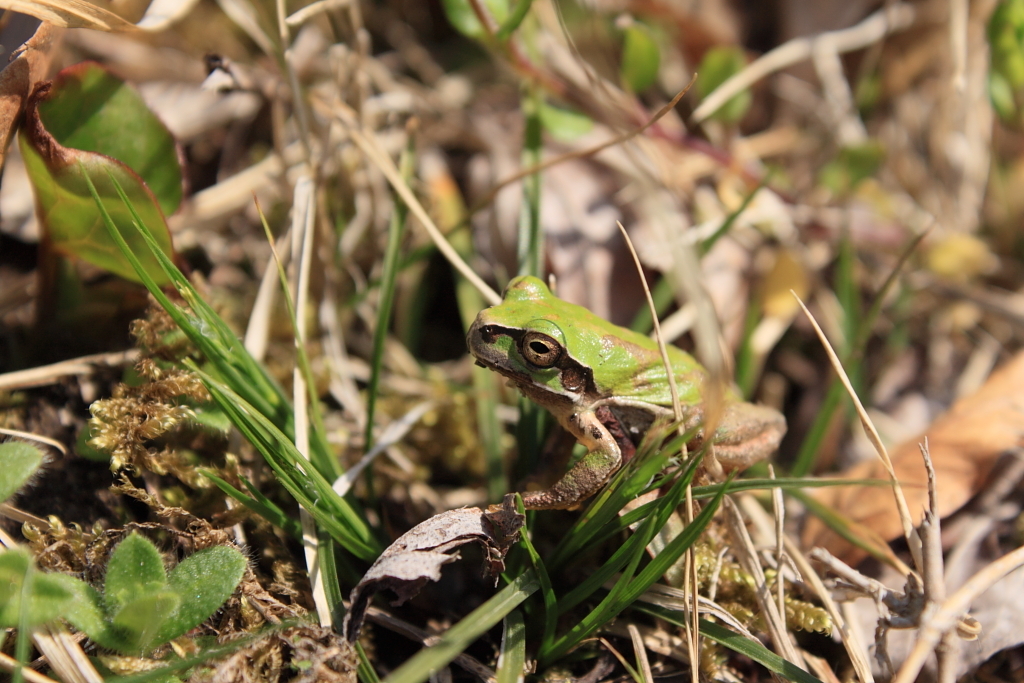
point(584, 480)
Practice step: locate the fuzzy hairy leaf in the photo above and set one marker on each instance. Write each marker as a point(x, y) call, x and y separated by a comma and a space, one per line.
point(47, 597)
point(18, 462)
point(135, 571)
point(204, 581)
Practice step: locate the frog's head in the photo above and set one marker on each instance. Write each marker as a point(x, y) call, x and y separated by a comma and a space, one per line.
point(527, 338)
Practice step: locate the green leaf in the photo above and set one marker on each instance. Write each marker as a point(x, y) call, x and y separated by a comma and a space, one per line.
point(204, 581)
point(462, 17)
point(564, 124)
point(87, 615)
point(91, 110)
point(20, 583)
point(641, 58)
point(18, 461)
point(141, 621)
point(852, 166)
point(135, 570)
point(64, 203)
point(720, 64)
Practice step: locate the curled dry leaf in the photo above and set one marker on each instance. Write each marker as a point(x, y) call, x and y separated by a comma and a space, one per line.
point(19, 78)
point(965, 444)
point(418, 555)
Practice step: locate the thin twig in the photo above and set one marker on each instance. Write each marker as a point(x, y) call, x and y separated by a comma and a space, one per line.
point(577, 154)
point(951, 611)
point(874, 28)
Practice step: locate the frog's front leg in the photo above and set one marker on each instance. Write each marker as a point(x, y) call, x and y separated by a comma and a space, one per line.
point(587, 476)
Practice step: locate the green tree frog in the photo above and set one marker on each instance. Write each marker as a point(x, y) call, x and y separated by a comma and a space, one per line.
point(606, 385)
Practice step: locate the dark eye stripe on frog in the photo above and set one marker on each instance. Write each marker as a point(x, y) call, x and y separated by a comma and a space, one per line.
point(573, 376)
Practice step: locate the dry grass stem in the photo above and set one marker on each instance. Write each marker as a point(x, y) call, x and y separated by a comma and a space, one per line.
point(29, 436)
point(302, 236)
point(746, 555)
point(689, 559)
point(366, 141)
point(8, 663)
point(65, 655)
point(392, 434)
point(643, 664)
point(913, 540)
point(53, 373)
point(849, 637)
point(257, 331)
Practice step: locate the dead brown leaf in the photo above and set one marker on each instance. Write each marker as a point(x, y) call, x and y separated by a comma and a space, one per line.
point(965, 444)
point(418, 554)
point(19, 78)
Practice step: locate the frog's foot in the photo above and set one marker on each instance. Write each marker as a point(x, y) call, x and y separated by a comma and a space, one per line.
point(584, 480)
point(747, 434)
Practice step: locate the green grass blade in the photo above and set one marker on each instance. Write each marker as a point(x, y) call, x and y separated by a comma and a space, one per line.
point(705, 246)
point(636, 544)
point(301, 480)
point(267, 418)
point(366, 672)
point(673, 551)
point(261, 505)
point(628, 589)
point(629, 482)
point(547, 592)
point(598, 617)
point(456, 639)
point(663, 298)
point(396, 232)
point(320, 452)
point(735, 642)
point(841, 525)
point(512, 659)
point(215, 339)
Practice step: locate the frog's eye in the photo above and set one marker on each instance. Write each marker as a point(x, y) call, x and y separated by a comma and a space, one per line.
point(540, 349)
